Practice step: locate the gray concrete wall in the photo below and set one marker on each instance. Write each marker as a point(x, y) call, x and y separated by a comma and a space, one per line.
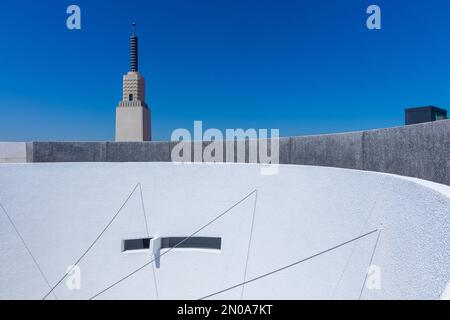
point(421, 151)
point(343, 150)
point(99, 151)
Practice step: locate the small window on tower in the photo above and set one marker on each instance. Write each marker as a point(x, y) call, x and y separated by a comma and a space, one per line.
point(130, 97)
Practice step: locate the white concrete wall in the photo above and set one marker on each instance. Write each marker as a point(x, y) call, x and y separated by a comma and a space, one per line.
point(59, 209)
point(13, 152)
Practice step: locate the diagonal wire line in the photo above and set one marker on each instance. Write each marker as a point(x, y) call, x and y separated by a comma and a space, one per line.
point(291, 265)
point(369, 215)
point(249, 242)
point(93, 243)
point(27, 248)
point(174, 247)
point(148, 235)
point(370, 263)
point(143, 210)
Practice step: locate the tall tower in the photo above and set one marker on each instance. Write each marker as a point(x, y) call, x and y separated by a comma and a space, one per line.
point(132, 113)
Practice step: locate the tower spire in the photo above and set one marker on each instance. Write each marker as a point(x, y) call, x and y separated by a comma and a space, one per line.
point(134, 50)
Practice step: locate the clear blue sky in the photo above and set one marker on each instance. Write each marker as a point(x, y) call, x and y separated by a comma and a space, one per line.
point(304, 67)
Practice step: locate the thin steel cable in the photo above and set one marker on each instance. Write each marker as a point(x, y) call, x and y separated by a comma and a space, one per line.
point(369, 215)
point(249, 242)
point(370, 263)
point(143, 210)
point(93, 243)
point(27, 248)
point(174, 247)
point(148, 235)
point(290, 265)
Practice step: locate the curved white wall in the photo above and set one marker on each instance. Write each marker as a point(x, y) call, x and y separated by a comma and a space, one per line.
point(59, 209)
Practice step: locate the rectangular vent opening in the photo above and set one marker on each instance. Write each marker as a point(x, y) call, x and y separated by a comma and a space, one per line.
point(212, 243)
point(136, 244)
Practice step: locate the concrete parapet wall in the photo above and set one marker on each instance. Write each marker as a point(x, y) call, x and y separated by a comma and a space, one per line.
point(421, 151)
point(149, 151)
point(13, 152)
point(335, 150)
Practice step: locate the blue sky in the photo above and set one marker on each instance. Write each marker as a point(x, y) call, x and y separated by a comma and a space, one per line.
point(305, 67)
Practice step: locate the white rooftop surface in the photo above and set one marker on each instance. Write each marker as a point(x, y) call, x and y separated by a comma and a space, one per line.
point(60, 209)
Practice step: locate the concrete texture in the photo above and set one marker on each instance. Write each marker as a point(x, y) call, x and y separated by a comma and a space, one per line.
point(68, 151)
point(137, 151)
point(336, 150)
point(13, 152)
point(421, 151)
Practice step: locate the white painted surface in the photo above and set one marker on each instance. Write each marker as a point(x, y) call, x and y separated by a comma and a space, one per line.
point(61, 208)
point(13, 152)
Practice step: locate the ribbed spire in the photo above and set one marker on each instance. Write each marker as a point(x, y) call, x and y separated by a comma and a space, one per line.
point(134, 50)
